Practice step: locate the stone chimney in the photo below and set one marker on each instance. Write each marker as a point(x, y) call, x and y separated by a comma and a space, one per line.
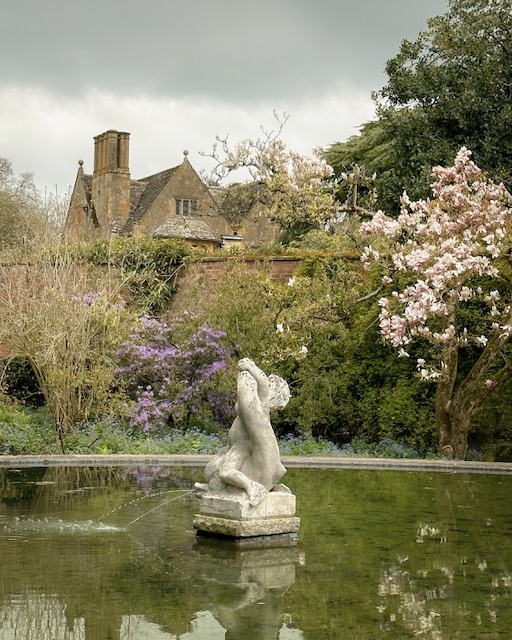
point(111, 181)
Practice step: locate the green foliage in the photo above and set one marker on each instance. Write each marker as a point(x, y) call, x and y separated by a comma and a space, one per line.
point(351, 386)
point(371, 149)
point(449, 88)
point(271, 322)
point(29, 432)
point(343, 239)
point(25, 433)
point(406, 412)
point(492, 426)
point(321, 335)
point(374, 149)
point(239, 306)
point(307, 445)
point(187, 441)
point(456, 78)
point(70, 352)
point(138, 254)
point(386, 448)
point(148, 266)
point(454, 81)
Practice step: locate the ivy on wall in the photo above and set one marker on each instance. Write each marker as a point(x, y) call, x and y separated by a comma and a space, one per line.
point(150, 266)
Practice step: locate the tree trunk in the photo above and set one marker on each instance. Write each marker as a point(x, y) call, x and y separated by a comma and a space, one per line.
point(452, 421)
point(452, 425)
point(452, 432)
point(456, 404)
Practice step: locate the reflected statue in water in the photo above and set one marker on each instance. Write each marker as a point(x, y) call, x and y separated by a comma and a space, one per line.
point(245, 588)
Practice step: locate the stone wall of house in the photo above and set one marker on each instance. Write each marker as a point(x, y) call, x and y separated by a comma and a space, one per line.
point(78, 221)
point(184, 183)
point(257, 229)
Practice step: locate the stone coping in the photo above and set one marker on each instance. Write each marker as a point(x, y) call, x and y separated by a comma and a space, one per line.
point(402, 464)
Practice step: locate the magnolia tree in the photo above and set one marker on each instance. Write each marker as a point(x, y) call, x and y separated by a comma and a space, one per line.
point(447, 250)
point(295, 186)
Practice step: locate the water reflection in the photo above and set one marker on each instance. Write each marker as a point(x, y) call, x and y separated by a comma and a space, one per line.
point(104, 554)
point(247, 585)
point(42, 617)
point(84, 566)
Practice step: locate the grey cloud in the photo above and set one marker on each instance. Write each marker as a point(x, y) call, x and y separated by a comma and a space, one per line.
point(230, 49)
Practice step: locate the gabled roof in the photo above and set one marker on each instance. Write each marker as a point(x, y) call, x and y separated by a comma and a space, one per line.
point(186, 228)
point(142, 195)
point(86, 182)
point(137, 188)
point(236, 202)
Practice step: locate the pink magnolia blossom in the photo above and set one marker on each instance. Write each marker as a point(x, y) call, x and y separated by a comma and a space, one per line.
point(444, 242)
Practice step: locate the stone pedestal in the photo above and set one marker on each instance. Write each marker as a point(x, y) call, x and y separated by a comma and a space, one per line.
point(231, 515)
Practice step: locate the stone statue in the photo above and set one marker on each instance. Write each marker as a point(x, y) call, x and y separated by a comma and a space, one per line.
point(250, 462)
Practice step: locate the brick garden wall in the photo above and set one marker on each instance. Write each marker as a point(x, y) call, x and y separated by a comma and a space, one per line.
point(279, 268)
point(194, 281)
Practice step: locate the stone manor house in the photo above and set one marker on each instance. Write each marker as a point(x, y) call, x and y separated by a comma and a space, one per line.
point(174, 203)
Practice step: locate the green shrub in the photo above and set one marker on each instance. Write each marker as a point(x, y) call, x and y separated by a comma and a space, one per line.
point(149, 266)
point(25, 432)
point(307, 446)
point(105, 436)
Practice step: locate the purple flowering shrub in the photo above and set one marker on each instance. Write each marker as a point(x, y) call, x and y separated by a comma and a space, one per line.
point(172, 378)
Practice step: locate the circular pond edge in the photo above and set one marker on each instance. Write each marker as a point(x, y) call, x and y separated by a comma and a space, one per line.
point(402, 464)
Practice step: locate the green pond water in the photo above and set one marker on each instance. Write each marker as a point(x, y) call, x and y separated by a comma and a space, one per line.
point(109, 553)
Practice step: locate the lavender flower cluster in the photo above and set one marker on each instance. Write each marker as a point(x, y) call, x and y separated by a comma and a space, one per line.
point(168, 381)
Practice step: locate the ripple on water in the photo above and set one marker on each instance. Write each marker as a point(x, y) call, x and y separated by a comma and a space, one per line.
point(57, 525)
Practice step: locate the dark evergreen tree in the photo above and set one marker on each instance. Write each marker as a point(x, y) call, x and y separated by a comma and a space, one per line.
point(452, 87)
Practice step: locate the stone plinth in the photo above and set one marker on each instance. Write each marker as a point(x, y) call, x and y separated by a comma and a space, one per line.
point(231, 515)
point(237, 507)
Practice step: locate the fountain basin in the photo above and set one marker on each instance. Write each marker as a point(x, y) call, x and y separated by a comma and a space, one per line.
point(111, 551)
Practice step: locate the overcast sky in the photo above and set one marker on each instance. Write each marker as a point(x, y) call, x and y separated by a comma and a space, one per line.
point(177, 73)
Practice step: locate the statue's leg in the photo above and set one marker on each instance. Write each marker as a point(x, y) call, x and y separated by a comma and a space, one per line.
point(254, 490)
point(234, 478)
point(215, 463)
